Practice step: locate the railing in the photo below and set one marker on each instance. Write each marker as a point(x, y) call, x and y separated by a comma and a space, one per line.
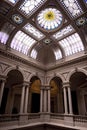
point(5, 118)
point(57, 116)
point(80, 118)
point(33, 116)
point(16, 117)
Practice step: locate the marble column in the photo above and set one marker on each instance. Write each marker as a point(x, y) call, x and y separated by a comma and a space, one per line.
point(22, 99)
point(49, 99)
point(45, 100)
point(2, 90)
point(70, 101)
point(26, 99)
point(41, 99)
point(65, 100)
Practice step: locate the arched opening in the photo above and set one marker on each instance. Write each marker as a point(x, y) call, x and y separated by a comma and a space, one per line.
point(35, 84)
point(11, 95)
point(56, 95)
point(78, 82)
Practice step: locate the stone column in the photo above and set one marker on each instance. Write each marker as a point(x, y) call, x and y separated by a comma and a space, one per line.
point(49, 99)
point(30, 98)
point(45, 100)
point(70, 101)
point(26, 99)
point(2, 90)
point(41, 99)
point(65, 100)
point(22, 99)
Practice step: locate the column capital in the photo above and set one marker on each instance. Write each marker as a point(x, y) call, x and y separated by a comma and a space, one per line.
point(3, 78)
point(45, 87)
point(25, 83)
point(48, 88)
point(42, 87)
point(66, 84)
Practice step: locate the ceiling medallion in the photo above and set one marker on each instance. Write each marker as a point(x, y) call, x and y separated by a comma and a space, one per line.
point(50, 19)
point(81, 21)
point(47, 41)
point(17, 18)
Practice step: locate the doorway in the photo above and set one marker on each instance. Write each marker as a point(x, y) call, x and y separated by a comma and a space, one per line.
point(35, 106)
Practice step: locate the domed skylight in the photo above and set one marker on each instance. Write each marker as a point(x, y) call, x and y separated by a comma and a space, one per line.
point(50, 19)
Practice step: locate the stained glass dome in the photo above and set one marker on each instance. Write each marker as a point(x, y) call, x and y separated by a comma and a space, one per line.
point(49, 19)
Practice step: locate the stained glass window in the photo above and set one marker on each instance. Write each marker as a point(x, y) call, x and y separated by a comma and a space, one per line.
point(50, 19)
point(58, 54)
point(22, 42)
point(5, 32)
point(34, 53)
point(81, 21)
point(85, 1)
point(12, 1)
point(72, 6)
point(3, 37)
point(17, 18)
point(72, 44)
point(65, 31)
point(32, 30)
point(29, 6)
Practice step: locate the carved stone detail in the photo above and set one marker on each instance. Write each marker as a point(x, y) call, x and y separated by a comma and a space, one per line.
point(65, 75)
point(26, 75)
point(3, 67)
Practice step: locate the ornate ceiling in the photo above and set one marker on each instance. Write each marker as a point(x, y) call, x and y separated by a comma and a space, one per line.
point(47, 31)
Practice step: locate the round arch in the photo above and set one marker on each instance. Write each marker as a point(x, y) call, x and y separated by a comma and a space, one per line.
point(11, 91)
point(35, 84)
point(14, 68)
point(75, 70)
point(56, 75)
point(56, 94)
point(32, 75)
point(78, 83)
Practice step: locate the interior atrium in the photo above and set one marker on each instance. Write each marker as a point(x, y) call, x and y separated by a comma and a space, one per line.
point(43, 64)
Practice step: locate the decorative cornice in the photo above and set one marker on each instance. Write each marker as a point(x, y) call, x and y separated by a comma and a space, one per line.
point(65, 63)
point(19, 59)
point(39, 66)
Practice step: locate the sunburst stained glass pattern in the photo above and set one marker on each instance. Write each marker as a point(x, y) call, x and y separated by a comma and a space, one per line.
point(50, 19)
point(58, 54)
point(32, 30)
point(33, 54)
point(22, 42)
point(12, 1)
point(72, 6)
point(5, 32)
point(29, 6)
point(72, 44)
point(64, 32)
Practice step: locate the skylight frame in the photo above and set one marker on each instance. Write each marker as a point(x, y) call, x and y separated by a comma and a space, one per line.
point(68, 9)
point(33, 31)
point(72, 44)
point(36, 6)
point(22, 42)
point(63, 32)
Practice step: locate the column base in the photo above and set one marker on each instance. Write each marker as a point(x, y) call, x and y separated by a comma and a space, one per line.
point(23, 117)
point(45, 116)
point(68, 120)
